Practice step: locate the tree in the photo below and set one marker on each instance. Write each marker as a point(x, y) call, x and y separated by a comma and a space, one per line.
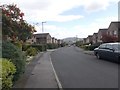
point(109, 38)
point(13, 24)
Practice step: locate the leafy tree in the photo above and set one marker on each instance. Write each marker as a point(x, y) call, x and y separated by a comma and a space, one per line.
point(109, 38)
point(14, 26)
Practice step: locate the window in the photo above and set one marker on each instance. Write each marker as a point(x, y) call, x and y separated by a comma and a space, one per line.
point(102, 46)
point(109, 46)
point(116, 47)
point(115, 33)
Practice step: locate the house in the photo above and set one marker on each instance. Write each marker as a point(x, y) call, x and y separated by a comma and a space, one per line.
point(114, 31)
point(89, 39)
point(43, 38)
point(101, 34)
point(84, 40)
point(59, 41)
point(53, 40)
point(56, 41)
point(31, 40)
point(94, 38)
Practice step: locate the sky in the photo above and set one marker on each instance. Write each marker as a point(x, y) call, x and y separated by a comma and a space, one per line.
point(68, 18)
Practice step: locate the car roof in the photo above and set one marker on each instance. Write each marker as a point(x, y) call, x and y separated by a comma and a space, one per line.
point(113, 43)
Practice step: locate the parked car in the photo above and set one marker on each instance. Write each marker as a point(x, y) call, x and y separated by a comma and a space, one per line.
point(109, 51)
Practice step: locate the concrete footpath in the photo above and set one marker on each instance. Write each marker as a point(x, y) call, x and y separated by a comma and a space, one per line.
point(39, 74)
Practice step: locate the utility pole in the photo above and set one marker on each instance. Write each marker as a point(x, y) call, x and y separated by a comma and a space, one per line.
point(42, 27)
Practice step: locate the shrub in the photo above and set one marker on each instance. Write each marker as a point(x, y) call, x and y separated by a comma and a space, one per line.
point(52, 46)
point(18, 44)
point(31, 51)
point(8, 70)
point(89, 47)
point(38, 47)
point(17, 57)
point(25, 47)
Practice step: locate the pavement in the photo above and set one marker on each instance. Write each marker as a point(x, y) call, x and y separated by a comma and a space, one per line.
point(38, 74)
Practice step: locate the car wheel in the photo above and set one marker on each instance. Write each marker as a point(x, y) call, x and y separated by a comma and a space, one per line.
point(98, 56)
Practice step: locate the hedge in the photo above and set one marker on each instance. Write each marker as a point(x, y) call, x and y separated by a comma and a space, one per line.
point(52, 46)
point(89, 47)
point(38, 47)
point(17, 57)
point(31, 51)
point(8, 70)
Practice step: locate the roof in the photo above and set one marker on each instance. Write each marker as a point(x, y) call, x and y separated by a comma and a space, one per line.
point(102, 30)
point(41, 34)
point(116, 23)
point(90, 36)
point(113, 43)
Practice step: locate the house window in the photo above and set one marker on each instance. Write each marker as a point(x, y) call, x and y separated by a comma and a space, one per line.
point(115, 33)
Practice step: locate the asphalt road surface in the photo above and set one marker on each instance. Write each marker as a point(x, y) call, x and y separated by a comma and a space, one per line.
point(78, 70)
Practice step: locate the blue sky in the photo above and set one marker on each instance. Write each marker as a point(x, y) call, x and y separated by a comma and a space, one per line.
point(68, 18)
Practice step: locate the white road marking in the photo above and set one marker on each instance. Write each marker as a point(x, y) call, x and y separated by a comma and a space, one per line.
point(56, 77)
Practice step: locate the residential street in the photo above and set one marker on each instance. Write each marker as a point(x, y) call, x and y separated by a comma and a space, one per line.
point(78, 70)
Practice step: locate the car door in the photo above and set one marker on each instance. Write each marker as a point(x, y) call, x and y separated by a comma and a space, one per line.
point(110, 55)
point(102, 50)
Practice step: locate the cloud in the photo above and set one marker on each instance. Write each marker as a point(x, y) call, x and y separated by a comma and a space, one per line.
point(94, 26)
point(82, 31)
point(51, 10)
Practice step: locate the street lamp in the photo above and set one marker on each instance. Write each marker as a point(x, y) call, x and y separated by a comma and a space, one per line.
point(42, 26)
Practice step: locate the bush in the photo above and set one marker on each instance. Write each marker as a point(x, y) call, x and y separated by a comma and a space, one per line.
point(31, 51)
point(8, 70)
point(38, 47)
point(18, 44)
point(91, 47)
point(25, 47)
point(17, 57)
point(52, 46)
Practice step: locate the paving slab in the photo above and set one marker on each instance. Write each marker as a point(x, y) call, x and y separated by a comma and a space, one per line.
point(39, 74)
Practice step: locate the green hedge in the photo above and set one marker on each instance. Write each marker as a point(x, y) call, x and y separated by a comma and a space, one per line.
point(38, 47)
point(8, 70)
point(31, 51)
point(52, 46)
point(18, 44)
point(17, 57)
point(91, 47)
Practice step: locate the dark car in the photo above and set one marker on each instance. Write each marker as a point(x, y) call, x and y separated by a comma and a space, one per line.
point(109, 51)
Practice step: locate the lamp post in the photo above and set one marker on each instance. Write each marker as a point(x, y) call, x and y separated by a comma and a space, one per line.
point(42, 26)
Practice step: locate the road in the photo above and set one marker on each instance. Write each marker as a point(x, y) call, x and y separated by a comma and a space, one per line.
point(78, 70)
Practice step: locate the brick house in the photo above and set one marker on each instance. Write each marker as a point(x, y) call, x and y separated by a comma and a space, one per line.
point(94, 38)
point(59, 41)
point(114, 31)
point(56, 41)
point(53, 40)
point(32, 40)
point(84, 40)
point(100, 35)
point(43, 38)
point(89, 39)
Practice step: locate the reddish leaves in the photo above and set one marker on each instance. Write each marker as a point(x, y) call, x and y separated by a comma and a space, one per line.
point(109, 38)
